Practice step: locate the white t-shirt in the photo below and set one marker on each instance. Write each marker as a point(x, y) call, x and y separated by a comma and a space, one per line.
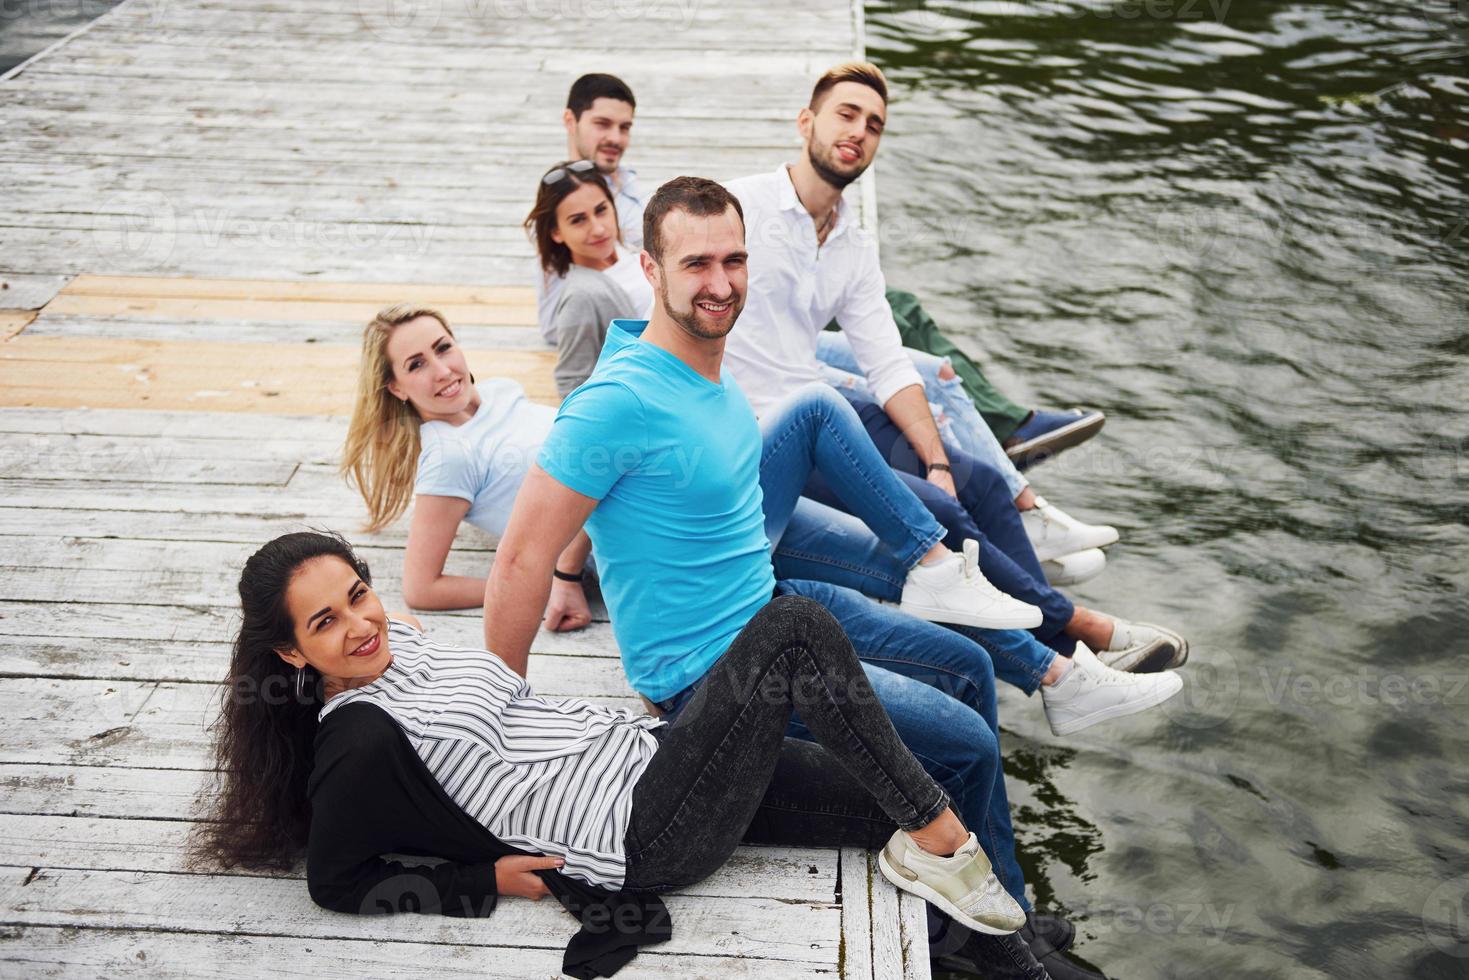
point(484, 460)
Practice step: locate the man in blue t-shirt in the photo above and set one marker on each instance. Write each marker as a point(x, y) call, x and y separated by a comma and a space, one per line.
point(658, 456)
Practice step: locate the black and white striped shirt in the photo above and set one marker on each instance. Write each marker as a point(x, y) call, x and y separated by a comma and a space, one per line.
point(551, 776)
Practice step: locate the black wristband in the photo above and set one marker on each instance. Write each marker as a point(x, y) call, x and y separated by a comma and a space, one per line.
point(940, 466)
point(567, 576)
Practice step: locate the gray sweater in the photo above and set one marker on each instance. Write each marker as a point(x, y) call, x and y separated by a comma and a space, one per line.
point(589, 301)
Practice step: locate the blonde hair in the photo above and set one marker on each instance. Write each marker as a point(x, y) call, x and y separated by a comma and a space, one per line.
point(861, 72)
point(381, 454)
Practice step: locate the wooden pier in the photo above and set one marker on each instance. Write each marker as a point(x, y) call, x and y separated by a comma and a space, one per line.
point(201, 202)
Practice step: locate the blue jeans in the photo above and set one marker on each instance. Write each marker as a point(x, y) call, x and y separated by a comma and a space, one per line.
point(984, 511)
point(882, 529)
point(938, 687)
point(962, 425)
point(815, 430)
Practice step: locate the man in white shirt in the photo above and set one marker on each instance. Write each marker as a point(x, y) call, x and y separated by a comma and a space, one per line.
point(598, 118)
point(811, 262)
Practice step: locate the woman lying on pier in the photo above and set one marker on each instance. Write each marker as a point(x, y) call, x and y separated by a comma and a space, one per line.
point(396, 744)
point(574, 226)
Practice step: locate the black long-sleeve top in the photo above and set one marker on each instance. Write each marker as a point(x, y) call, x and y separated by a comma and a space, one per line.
point(372, 795)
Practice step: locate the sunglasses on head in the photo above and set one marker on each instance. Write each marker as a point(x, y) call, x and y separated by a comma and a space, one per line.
point(558, 174)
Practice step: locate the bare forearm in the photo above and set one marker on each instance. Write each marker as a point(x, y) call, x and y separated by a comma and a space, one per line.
point(574, 556)
point(446, 592)
point(515, 596)
point(910, 413)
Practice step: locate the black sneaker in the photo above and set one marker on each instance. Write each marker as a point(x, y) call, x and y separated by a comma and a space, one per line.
point(1033, 953)
point(1005, 957)
point(1046, 933)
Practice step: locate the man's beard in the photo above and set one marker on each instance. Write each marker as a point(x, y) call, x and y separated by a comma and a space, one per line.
point(818, 154)
point(592, 155)
point(690, 320)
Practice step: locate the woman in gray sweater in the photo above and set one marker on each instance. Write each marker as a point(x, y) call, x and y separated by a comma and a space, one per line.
point(589, 276)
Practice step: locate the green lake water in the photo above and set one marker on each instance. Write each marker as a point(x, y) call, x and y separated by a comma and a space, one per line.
point(1241, 230)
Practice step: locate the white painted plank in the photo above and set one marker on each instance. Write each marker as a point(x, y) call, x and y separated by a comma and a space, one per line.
point(596, 675)
point(307, 429)
point(856, 878)
point(46, 952)
point(99, 791)
point(887, 938)
point(913, 928)
point(20, 291)
point(161, 845)
point(767, 928)
point(252, 331)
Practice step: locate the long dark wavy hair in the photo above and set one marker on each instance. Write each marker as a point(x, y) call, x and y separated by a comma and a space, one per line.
point(256, 813)
point(556, 257)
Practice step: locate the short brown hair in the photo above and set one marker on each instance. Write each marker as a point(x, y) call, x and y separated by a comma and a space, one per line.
point(861, 72)
point(698, 196)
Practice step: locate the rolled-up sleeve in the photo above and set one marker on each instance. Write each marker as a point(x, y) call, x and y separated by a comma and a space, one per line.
point(867, 320)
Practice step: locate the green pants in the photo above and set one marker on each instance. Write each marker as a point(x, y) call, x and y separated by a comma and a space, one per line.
point(920, 332)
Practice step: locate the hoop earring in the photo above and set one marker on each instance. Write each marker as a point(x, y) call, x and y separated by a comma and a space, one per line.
point(300, 683)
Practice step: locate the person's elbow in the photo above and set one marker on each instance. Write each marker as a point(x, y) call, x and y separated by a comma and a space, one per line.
point(419, 593)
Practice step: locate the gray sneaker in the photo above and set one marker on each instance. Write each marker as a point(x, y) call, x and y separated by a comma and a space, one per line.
point(962, 886)
point(1143, 648)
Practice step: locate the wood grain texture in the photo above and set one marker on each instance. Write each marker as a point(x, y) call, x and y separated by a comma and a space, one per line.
point(214, 376)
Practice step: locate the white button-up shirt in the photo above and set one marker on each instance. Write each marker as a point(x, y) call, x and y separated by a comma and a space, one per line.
point(629, 202)
point(797, 288)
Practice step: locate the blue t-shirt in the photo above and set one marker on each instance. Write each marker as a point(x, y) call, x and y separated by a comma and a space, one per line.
point(680, 530)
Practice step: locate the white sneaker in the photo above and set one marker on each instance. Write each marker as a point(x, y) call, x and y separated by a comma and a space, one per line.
point(1142, 648)
point(1093, 692)
point(1075, 568)
point(962, 886)
point(1053, 532)
point(955, 591)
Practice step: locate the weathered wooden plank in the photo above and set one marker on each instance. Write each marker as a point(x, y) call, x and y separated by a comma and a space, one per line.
point(281, 291)
point(78, 251)
point(358, 311)
point(120, 723)
point(40, 951)
point(887, 937)
point(596, 674)
point(856, 881)
point(146, 461)
point(764, 928)
point(20, 291)
point(274, 332)
point(326, 505)
point(913, 929)
point(169, 525)
point(213, 376)
point(161, 845)
point(527, 135)
point(100, 791)
point(306, 429)
point(510, 54)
